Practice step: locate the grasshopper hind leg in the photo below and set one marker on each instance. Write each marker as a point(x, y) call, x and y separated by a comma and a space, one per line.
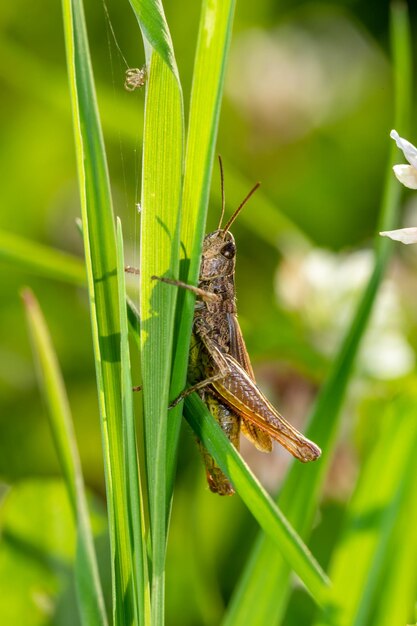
point(230, 425)
point(199, 371)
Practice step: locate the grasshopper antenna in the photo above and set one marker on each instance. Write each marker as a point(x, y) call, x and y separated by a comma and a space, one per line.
point(239, 208)
point(222, 188)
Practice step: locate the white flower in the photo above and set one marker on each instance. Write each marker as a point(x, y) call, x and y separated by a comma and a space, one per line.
point(324, 287)
point(405, 235)
point(407, 175)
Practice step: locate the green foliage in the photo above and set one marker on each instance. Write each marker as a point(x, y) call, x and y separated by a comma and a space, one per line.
point(36, 552)
point(90, 595)
point(257, 500)
point(378, 522)
point(208, 79)
point(101, 263)
point(301, 489)
point(156, 500)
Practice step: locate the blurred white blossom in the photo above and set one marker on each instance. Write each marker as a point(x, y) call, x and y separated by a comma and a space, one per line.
point(324, 289)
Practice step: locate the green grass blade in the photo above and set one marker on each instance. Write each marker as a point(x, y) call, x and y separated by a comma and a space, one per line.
point(255, 599)
point(162, 164)
point(256, 499)
point(398, 601)
point(215, 29)
point(162, 169)
point(101, 264)
point(90, 595)
point(138, 532)
point(209, 67)
point(41, 260)
point(385, 493)
point(46, 261)
point(151, 18)
point(382, 499)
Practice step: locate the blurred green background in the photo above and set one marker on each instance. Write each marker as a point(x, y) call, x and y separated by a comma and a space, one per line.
point(307, 111)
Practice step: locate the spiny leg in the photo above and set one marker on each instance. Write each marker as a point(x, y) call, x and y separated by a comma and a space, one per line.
point(206, 295)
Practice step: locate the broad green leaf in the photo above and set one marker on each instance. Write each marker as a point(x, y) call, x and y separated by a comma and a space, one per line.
point(255, 601)
point(161, 195)
point(90, 595)
point(162, 169)
point(101, 264)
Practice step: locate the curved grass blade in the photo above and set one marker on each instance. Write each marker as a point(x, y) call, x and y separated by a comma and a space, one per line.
point(215, 28)
point(256, 499)
point(255, 599)
point(101, 264)
point(152, 22)
point(89, 592)
point(162, 168)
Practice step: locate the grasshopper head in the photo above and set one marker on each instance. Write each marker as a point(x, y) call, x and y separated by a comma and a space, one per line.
point(219, 248)
point(218, 259)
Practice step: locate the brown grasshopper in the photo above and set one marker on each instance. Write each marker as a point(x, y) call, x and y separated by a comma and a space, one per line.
point(219, 367)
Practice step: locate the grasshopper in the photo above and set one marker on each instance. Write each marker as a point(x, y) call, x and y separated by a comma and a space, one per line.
point(219, 368)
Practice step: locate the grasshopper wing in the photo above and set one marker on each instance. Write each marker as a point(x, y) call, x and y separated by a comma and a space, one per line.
point(240, 392)
point(227, 419)
point(238, 351)
point(237, 345)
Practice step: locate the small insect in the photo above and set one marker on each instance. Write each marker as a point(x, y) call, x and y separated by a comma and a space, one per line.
point(135, 78)
point(219, 368)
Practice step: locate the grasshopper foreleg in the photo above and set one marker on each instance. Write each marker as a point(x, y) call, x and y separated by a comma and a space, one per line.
point(205, 295)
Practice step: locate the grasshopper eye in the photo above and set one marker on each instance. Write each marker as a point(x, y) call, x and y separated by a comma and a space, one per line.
point(228, 250)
